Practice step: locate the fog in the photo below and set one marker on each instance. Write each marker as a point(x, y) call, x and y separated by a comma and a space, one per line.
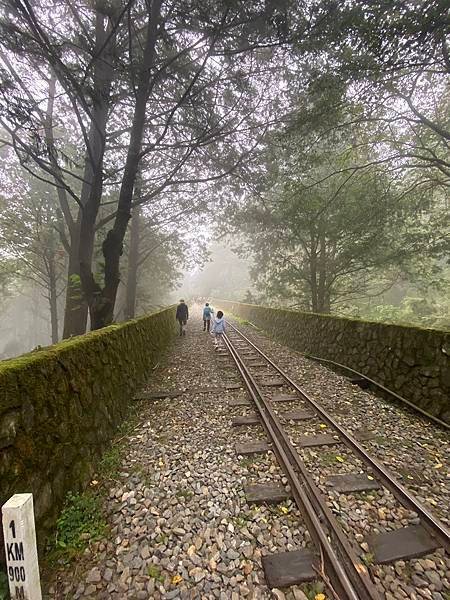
point(221, 273)
point(226, 275)
point(24, 322)
point(293, 170)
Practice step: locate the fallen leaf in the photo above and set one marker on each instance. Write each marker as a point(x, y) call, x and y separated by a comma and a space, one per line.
point(339, 459)
point(319, 597)
point(322, 426)
point(284, 510)
point(438, 466)
point(369, 477)
point(176, 579)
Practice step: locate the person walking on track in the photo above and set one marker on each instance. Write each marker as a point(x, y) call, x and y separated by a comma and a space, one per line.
point(218, 329)
point(207, 313)
point(182, 316)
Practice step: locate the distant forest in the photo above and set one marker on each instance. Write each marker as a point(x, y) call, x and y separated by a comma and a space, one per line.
point(298, 156)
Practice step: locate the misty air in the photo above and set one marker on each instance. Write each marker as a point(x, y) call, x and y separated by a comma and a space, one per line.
point(224, 300)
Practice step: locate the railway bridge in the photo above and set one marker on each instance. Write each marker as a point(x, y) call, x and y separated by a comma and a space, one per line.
point(306, 458)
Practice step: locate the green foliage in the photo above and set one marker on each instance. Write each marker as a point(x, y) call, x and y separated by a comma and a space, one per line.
point(426, 306)
point(368, 558)
point(4, 588)
point(81, 522)
point(184, 493)
point(75, 288)
point(325, 234)
point(29, 230)
point(110, 462)
point(155, 573)
point(342, 209)
point(312, 589)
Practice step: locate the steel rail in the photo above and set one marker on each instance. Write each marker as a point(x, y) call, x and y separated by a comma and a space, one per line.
point(348, 575)
point(385, 389)
point(434, 526)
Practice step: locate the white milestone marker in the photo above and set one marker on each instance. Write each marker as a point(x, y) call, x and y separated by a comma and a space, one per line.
point(20, 548)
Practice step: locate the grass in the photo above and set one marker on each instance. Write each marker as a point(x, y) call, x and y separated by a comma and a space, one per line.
point(362, 495)
point(80, 523)
point(184, 493)
point(240, 521)
point(110, 462)
point(162, 539)
point(245, 463)
point(242, 321)
point(311, 590)
point(327, 458)
point(368, 558)
point(4, 593)
point(144, 475)
point(155, 573)
point(283, 509)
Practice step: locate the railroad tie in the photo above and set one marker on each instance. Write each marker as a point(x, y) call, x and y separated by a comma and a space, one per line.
point(251, 419)
point(239, 402)
point(352, 482)
point(284, 569)
point(265, 493)
point(405, 543)
point(298, 415)
point(325, 439)
point(271, 382)
point(285, 398)
point(247, 448)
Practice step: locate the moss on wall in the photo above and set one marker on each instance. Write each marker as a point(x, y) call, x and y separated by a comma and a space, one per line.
point(60, 406)
point(412, 361)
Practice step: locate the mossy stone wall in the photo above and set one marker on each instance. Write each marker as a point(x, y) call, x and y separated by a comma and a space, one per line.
point(60, 406)
point(411, 361)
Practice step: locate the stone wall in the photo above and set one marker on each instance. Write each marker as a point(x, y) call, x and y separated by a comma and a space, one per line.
point(60, 406)
point(411, 361)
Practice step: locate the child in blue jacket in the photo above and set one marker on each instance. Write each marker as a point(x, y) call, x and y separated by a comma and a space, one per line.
point(207, 313)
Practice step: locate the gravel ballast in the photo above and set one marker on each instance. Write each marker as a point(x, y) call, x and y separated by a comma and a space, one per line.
point(179, 525)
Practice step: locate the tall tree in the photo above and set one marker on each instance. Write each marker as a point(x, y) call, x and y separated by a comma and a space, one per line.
point(328, 232)
point(168, 87)
point(29, 232)
point(392, 60)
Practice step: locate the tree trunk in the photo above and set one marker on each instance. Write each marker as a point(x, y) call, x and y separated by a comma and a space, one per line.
point(323, 303)
point(53, 301)
point(130, 301)
point(313, 281)
point(92, 189)
point(75, 312)
point(102, 306)
point(76, 308)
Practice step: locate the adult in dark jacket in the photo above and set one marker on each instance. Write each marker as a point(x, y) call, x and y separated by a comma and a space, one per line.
point(182, 316)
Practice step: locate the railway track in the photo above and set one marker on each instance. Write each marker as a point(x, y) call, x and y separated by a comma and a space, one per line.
point(336, 558)
point(365, 381)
